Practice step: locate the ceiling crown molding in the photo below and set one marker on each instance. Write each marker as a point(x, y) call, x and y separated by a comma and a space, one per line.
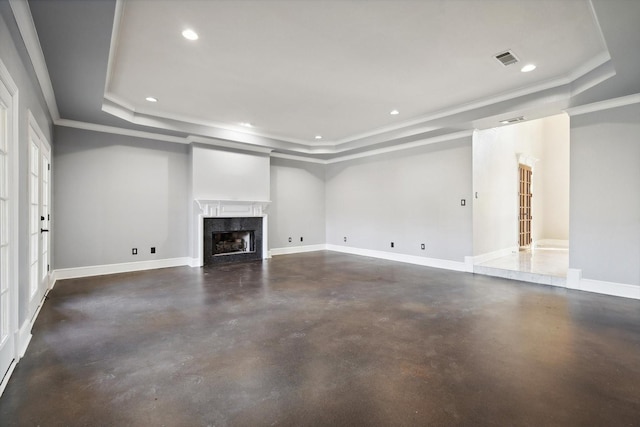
point(604, 105)
point(22, 15)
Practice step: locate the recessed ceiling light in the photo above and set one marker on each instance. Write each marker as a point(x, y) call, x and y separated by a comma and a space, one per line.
point(394, 112)
point(527, 68)
point(151, 99)
point(318, 136)
point(189, 34)
point(246, 124)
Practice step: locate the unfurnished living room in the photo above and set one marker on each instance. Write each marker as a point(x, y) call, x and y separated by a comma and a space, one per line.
point(319, 212)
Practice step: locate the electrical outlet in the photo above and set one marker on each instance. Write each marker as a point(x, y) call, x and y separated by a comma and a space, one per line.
point(153, 249)
point(290, 240)
point(422, 246)
point(345, 239)
point(392, 244)
point(301, 239)
point(134, 251)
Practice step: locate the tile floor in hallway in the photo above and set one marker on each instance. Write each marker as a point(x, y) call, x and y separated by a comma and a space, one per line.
point(551, 262)
point(326, 339)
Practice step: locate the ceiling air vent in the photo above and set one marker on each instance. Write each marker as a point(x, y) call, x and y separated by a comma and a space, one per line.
point(513, 120)
point(507, 58)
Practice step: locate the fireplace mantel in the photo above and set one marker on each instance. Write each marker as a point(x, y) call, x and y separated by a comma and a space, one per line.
point(232, 208)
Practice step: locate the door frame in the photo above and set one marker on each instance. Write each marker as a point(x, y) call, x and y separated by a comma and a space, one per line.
point(37, 291)
point(13, 135)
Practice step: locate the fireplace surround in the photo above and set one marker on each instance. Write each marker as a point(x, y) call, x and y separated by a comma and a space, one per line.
point(229, 221)
point(227, 240)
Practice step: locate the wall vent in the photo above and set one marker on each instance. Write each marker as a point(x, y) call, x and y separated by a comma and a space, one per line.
point(512, 120)
point(507, 58)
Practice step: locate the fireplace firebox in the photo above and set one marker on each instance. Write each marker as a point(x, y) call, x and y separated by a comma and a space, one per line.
point(235, 242)
point(234, 239)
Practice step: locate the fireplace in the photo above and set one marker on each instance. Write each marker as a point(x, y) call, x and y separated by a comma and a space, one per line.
point(233, 239)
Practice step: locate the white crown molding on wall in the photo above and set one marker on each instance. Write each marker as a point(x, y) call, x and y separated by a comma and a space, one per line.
point(113, 45)
point(415, 144)
point(126, 111)
point(228, 144)
point(604, 105)
point(120, 131)
point(22, 14)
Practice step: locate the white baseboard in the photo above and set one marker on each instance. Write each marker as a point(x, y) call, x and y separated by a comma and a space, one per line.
point(410, 259)
point(478, 259)
point(296, 250)
point(101, 270)
point(551, 244)
point(576, 281)
point(23, 339)
point(5, 379)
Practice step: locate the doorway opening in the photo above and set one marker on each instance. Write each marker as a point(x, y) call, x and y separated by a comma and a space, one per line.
point(521, 204)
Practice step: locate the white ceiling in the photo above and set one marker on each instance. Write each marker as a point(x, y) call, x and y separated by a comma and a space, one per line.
point(296, 69)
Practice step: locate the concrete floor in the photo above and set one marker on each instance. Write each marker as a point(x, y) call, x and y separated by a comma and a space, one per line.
point(326, 339)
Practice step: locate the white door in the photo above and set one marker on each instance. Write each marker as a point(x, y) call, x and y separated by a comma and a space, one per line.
point(39, 202)
point(8, 291)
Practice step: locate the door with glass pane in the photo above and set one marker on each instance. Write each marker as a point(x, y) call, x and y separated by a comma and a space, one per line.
point(7, 303)
point(524, 216)
point(39, 216)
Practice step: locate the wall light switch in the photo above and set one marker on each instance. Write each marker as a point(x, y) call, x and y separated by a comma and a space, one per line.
point(463, 202)
point(422, 246)
point(134, 251)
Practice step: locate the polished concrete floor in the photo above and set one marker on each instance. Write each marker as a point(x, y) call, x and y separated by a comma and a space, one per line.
point(326, 339)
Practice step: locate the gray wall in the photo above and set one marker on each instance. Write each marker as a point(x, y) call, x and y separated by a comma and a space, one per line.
point(407, 197)
point(605, 201)
point(15, 58)
point(297, 204)
point(114, 193)
point(224, 174)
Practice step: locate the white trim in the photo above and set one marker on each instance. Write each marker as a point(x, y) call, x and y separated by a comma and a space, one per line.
point(23, 339)
point(113, 44)
point(409, 259)
point(577, 282)
point(296, 250)
point(126, 267)
point(479, 259)
point(552, 244)
point(5, 380)
point(299, 158)
point(229, 144)
point(409, 145)
point(120, 131)
point(13, 165)
point(22, 15)
point(126, 111)
point(604, 105)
